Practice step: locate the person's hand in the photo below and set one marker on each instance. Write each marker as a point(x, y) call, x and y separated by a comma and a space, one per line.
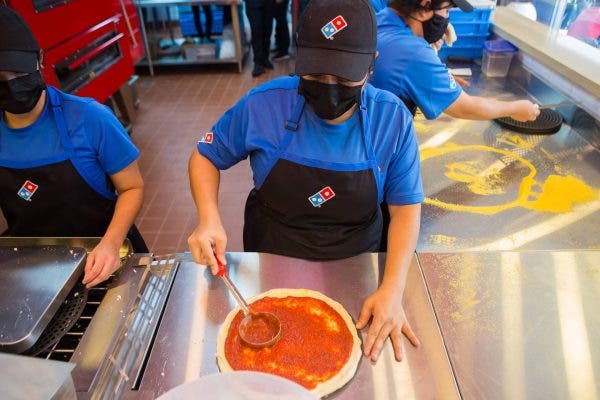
point(388, 319)
point(525, 111)
point(206, 240)
point(438, 45)
point(101, 263)
point(462, 82)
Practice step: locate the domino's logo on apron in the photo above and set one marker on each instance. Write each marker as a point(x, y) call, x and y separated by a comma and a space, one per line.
point(321, 197)
point(27, 190)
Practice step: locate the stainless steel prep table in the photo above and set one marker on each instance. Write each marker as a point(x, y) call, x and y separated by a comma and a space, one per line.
point(573, 151)
point(519, 325)
point(185, 344)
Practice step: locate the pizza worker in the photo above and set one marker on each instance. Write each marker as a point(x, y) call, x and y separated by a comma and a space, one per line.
point(325, 149)
point(67, 166)
point(410, 68)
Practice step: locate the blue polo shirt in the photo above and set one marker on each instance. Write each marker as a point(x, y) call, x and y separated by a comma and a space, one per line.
point(255, 127)
point(410, 68)
point(98, 138)
point(378, 5)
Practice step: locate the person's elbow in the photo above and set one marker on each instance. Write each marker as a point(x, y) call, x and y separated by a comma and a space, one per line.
point(463, 107)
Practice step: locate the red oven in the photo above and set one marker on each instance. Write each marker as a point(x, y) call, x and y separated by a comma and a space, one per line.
point(90, 46)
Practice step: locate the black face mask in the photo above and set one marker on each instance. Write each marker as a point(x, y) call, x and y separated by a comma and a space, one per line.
point(329, 101)
point(20, 95)
point(434, 28)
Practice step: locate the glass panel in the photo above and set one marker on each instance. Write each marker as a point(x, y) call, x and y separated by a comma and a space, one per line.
point(576, 18)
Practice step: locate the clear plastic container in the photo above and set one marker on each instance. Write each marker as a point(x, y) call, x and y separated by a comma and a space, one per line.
point(497, 56)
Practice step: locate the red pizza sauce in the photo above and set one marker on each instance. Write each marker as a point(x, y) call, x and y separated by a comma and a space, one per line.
point(315, 342)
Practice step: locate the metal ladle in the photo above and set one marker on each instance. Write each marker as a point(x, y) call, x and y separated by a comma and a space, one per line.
point(256, 330)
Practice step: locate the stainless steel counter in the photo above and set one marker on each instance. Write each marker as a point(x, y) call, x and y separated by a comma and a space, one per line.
point(185, 344)
point(492, 189)
point(519, 325)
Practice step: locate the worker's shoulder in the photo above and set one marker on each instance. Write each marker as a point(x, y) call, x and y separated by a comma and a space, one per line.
point(382, 98)
point(383, 103)
point(282, 86)
point(86, 107)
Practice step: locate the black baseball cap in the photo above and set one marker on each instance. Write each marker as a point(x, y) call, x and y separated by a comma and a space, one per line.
point(19, 50)
point(464, 5)
point(336, 37)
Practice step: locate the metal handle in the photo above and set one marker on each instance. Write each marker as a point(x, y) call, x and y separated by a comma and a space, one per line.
point(222, 273)
point(94, 52)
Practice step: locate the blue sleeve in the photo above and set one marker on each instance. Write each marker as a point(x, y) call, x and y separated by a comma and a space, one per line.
point(378, 5)
point(115, 150)
point(227, 144)
point(430, 84)
point(403, 184)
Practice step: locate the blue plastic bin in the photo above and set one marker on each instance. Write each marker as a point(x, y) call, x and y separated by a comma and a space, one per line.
point(477, 15)
point(472, 29)
point(188, 26)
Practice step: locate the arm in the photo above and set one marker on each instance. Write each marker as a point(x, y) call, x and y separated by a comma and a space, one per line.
point(209, 235)
point(385, 304)
point(481, 108)
point(104, 259)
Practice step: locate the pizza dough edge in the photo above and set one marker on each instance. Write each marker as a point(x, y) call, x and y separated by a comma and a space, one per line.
point(322, 389)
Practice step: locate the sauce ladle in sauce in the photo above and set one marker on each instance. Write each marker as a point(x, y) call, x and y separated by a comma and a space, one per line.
point(256, 330)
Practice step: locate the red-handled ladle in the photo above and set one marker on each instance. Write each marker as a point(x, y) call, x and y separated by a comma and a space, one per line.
point(256, 330)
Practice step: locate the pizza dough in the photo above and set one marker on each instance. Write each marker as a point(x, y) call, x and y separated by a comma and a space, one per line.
point(319, 334)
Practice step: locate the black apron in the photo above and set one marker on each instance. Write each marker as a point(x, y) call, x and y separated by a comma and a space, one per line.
point(314, 213)
point(55, 200)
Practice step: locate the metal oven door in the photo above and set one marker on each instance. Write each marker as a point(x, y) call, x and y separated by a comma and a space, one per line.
point(93, 63)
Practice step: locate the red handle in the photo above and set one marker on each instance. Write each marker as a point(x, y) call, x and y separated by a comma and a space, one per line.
point(222, 270)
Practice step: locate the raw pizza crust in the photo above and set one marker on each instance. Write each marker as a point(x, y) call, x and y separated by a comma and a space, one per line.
point(324, 388)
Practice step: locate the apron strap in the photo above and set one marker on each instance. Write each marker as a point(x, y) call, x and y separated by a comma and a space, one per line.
point(59, 118)
point(65, 139)
point(293, 123)
point(291, 126)
point(373, 161)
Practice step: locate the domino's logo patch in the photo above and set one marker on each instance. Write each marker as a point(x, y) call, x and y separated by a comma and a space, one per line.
point(321, 197)
point(27, 190)
point(452, 81)
point(333, 27)
point(206, 138)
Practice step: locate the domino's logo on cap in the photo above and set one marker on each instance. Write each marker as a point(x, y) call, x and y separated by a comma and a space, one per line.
point(333, 27)
point(321, 197)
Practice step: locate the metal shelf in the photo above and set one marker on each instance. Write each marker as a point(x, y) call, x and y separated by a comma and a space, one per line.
point(240, 48)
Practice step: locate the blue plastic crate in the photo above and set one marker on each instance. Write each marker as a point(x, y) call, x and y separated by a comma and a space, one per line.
point(461, 52)
point(469, 40)
point(474, 28)
point(477, 15)
point(188, 26)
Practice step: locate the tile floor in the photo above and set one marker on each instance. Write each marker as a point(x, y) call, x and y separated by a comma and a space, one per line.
point(175, 109)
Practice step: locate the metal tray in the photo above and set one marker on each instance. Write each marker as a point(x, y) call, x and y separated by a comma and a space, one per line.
point(88, 243)
point(34, 281)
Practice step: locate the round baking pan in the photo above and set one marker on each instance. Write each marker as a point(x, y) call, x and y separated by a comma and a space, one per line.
point(547, 123)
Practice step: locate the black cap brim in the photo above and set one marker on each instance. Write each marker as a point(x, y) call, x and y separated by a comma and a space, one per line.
point(18, 61)
point(347, 65)
point(464, 5)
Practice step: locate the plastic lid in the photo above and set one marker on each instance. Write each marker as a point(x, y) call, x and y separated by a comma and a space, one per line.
point(239, 385)
point(499, 46)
